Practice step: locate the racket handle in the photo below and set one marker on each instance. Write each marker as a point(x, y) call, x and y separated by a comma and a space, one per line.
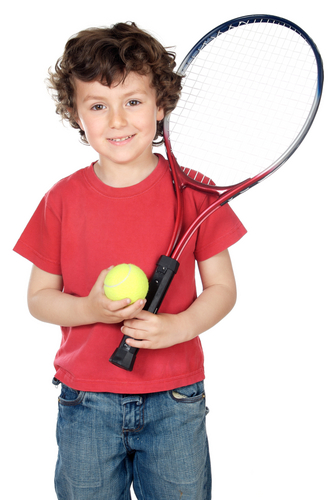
point(124, 356)
point(160, 282)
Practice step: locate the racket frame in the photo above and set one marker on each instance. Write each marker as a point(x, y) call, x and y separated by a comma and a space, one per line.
point(124, 356)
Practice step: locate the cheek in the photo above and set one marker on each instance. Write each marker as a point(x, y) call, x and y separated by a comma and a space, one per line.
point(147, 125)
point(90, 127)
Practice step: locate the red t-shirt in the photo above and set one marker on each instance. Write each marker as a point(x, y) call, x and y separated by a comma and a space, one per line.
point(83, 226)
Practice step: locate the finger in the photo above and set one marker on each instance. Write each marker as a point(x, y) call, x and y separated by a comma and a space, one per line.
point(145, 315)
point(141, 321)
point(117, 305)
point(139, 344)
point(101, 278)
point(134, 330)
point(124, 310)
point(135, 324)
point(130, 332)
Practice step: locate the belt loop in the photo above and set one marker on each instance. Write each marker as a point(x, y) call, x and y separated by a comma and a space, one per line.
point(55, 382)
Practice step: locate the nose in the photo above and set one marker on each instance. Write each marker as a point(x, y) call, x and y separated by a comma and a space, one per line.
point(117, 118)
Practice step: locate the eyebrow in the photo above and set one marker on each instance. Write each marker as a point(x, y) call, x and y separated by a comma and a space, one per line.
point(102, 98)
point(93, 98)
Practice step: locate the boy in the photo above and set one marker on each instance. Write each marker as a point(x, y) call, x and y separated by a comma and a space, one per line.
point(115, 85)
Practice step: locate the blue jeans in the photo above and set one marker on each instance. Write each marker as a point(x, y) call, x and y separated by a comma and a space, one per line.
point(156, 441)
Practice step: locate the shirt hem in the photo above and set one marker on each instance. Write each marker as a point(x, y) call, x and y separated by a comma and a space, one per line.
point(117, 387)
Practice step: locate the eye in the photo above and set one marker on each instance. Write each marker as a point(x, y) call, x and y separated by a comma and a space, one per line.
point(98, 107)
point(133, 102)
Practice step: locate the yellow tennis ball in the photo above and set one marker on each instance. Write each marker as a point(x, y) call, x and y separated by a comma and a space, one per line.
point(126, 281)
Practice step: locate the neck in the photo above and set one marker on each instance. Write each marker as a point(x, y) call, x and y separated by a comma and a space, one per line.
point(120, 176)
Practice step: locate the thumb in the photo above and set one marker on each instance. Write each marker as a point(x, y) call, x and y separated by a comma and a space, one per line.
point(101, 278)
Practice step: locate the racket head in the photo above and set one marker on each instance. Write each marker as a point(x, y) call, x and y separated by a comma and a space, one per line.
point(251, 90)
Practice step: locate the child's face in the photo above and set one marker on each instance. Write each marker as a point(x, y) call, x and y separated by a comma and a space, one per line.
point(119, 121)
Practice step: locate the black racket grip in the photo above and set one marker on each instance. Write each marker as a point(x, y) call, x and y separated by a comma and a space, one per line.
point(124, 356)
point(160, 282)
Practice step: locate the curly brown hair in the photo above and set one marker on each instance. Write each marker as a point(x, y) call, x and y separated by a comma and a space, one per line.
point(108, 55)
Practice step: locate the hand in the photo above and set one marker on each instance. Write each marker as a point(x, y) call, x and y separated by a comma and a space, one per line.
point(154, 331)
point(100, 309)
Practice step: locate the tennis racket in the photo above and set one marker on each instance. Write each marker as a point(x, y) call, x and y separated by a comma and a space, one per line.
point(251, 90)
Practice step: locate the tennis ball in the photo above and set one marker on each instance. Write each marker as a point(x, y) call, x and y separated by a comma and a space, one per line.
point(126, 281)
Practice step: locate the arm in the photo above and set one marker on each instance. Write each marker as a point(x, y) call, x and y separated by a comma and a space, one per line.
point(48, 303)
point(218, 297)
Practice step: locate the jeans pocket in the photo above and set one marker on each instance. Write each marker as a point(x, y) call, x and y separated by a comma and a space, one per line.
point(69, 396)
point(189, 394)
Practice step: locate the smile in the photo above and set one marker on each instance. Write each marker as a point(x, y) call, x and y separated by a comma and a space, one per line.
point(121, 139)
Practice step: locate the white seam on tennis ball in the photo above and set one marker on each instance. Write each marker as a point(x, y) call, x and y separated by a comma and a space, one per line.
point(120, 282)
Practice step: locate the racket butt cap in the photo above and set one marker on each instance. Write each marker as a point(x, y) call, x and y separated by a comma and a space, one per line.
point(124, 356)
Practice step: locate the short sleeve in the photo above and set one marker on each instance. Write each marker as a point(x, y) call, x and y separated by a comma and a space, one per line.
point(218, 232)
point(40, 241)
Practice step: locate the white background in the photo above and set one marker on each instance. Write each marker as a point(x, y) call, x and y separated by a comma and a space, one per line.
point(269, 363)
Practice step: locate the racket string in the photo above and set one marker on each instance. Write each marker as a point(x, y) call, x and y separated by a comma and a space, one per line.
point(244, 99)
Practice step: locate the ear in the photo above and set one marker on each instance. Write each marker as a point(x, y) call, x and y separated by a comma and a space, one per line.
point(78, 121)
point(160, 114)
point(72, 113)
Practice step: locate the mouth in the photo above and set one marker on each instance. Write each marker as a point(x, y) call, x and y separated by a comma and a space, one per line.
point(120, 140)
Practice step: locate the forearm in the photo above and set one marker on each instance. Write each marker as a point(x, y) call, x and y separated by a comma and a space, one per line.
point(54, 306)
point(207, 310)
point(216, 300)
